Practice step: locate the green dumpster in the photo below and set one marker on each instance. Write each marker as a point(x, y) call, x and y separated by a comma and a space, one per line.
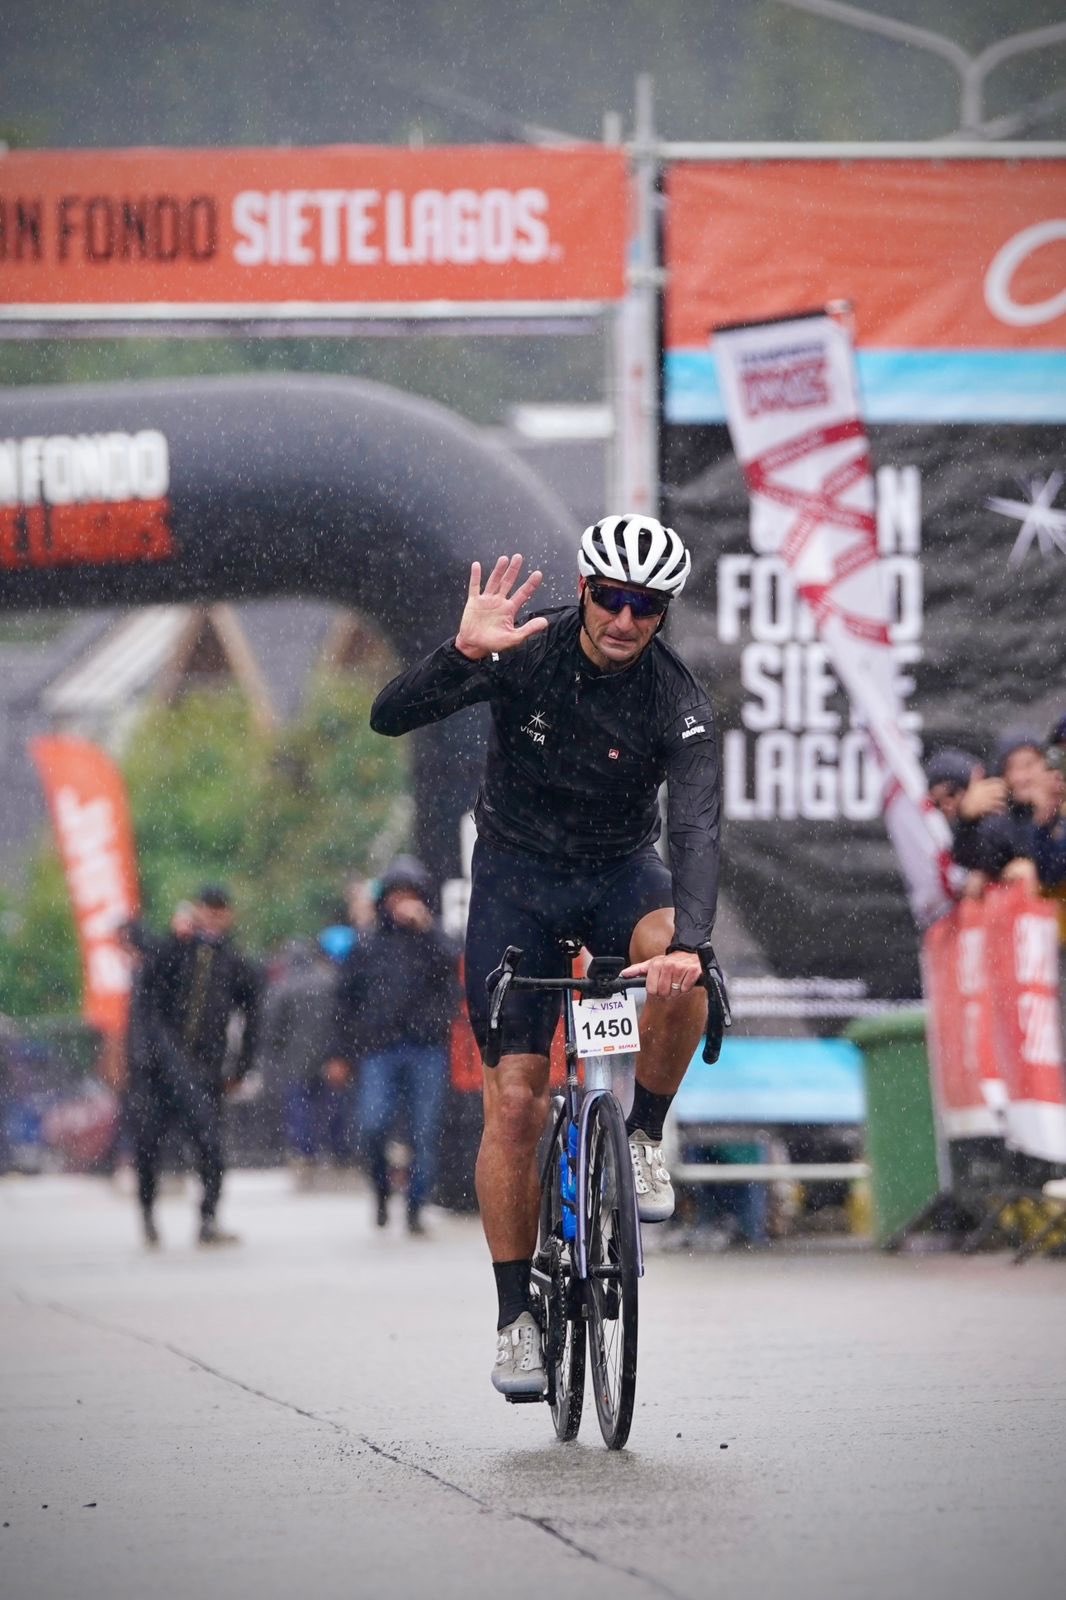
point(900, 1128)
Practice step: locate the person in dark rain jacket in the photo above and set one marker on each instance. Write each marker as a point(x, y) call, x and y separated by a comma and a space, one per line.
point(398, 996)
point(591, 713)
point(188, 987)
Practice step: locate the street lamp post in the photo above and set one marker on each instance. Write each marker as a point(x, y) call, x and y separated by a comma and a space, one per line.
point(973, 70)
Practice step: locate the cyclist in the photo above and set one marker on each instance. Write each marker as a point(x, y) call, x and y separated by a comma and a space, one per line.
point(591, 711)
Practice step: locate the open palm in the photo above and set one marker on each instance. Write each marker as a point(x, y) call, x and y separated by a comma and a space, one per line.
point(488, 623)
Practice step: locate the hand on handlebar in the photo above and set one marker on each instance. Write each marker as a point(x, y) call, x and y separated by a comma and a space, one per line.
point(686, 968)
point(488, 622)
point(669, 976)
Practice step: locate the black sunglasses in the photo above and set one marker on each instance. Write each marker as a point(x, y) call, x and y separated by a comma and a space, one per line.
point(642, 602)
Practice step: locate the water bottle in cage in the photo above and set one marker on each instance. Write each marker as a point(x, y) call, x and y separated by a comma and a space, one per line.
point(568, 1183)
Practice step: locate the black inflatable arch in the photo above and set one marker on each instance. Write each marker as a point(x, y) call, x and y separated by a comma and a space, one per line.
point(326, 487)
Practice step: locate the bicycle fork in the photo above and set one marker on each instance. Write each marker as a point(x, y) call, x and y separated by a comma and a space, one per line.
point(582, 1260)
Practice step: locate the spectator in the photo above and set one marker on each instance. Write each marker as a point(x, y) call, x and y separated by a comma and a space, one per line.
point(399, 992)
point(188, 988)
point(297, 1033)
point(1001, 843)
point(960, 791)
point(950, 774)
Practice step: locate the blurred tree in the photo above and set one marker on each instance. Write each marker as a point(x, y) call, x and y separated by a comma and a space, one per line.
point(281, 817)
point(332, 799)
point(40, 970)
point(478, 376)
point(195, 776)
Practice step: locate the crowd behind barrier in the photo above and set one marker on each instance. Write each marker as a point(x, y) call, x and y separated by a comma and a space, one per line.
point(994, 977)
point(1008, 823)
point(1007, 816)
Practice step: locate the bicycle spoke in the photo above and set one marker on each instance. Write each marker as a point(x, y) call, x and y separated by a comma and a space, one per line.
point(611, 1285)
point(565, 1341)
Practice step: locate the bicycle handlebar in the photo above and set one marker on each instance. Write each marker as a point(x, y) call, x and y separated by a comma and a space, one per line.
point(603, 980)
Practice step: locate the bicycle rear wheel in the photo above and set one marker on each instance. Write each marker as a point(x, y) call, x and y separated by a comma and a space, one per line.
point(611, 1286)
point(564, 1319)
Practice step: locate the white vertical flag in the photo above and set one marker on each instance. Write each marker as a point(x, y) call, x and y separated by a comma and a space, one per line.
point(792, 402)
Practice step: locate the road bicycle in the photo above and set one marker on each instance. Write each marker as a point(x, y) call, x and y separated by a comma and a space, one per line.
point(589, 1257)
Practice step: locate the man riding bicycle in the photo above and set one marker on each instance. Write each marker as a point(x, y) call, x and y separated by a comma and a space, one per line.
point(591, 712)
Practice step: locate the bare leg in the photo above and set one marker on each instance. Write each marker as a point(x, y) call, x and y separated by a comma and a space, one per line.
point(507, 1181)
point(670, 1028)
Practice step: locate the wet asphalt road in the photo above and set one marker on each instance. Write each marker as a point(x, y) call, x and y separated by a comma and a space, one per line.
point(310, 1416)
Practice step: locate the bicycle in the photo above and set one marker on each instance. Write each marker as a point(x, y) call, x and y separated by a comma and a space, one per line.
point(589, 1257)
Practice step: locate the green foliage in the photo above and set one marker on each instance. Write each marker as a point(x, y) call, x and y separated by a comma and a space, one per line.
point(476, 376)
point(195, 775)
point(328, 791)
point(282, 818)
point(40, 971)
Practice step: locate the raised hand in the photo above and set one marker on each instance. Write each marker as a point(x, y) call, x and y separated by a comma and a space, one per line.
point(488, 623)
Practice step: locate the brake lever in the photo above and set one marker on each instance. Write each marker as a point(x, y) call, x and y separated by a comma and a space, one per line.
point(719, 1011)
point(497, 983)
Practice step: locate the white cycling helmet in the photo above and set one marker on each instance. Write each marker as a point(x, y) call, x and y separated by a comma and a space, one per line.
point(634, 549)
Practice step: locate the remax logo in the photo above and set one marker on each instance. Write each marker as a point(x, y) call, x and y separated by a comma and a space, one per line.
point(790, 379)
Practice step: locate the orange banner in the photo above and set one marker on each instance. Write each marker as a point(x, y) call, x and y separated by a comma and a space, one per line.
point(935, 255)
point(292, 231)
point(90, 813)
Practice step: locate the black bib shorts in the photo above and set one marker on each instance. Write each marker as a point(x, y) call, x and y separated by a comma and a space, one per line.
point(526, 900)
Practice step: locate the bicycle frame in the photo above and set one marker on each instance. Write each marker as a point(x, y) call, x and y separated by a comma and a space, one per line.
point(577, 1101)
point(583, 1100)
point(590, 1255)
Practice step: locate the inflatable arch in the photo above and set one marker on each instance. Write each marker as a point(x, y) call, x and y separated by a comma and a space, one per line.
point(138, 493)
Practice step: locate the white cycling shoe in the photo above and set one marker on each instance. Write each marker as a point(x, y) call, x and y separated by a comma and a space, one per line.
point(519, 1365)
point(655, 1192)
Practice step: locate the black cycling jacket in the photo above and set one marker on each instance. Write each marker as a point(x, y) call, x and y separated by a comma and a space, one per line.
point(576, 756)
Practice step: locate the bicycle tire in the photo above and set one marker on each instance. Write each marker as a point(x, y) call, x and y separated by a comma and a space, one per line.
point(564, 1333)
point(611, 1286)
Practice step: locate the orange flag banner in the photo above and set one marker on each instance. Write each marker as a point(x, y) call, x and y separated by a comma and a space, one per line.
point(87, 800)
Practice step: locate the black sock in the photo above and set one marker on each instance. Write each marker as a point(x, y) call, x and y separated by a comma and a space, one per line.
point(649, 1112)
point(512, 1287)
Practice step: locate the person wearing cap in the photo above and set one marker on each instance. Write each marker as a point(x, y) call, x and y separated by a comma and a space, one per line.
point(189, 986)
point(963, 795)
point(949, 774)
point(399, 994)
point(310, 1106)
point(1000, 842)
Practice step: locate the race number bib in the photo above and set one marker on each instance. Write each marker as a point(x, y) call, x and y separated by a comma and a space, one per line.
point(606, 1027)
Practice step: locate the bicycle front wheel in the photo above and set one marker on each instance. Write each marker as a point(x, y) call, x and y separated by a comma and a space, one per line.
point(564, 1324)
point(611, 1286)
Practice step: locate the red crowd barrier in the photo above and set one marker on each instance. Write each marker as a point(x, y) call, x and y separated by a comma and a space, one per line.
point(991, 972)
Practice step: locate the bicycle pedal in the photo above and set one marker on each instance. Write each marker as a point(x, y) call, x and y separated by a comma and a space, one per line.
point(525, 1399)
